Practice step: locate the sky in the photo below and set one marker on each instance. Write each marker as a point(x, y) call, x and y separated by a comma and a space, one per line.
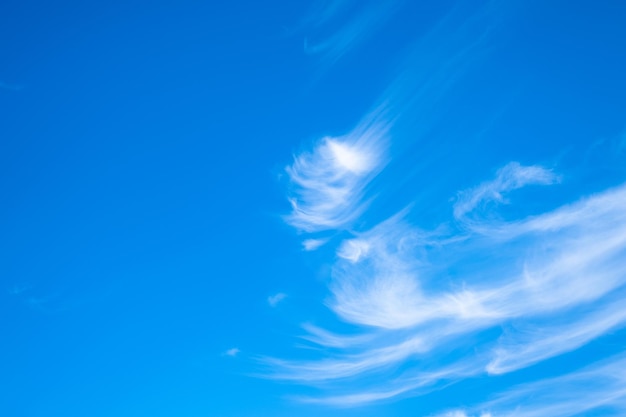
point(322, 207)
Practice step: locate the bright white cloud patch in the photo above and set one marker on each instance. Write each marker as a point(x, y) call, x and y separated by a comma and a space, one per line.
point(349, 158)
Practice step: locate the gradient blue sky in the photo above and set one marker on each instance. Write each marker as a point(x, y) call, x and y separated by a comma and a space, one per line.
point(338, 208)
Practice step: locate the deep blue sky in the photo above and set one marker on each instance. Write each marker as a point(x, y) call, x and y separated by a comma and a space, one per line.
point(151, 263)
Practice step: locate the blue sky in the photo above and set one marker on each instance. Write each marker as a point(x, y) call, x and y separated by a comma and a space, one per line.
point(347, 208)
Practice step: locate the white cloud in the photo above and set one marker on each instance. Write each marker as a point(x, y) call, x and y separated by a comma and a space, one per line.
point(415, 383)
point(273, 300)
point(329, 182)
point(348, 365)
point(383, 284)
point(313, 244)
point(375, 282)
point(509, 178)
point(527, 345)
point(325, 338)
point(330, 43)
point(232, 352)
point(601, 386)
point(353, 249)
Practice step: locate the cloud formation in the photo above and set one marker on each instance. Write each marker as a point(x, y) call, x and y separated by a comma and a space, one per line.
point(328, 183)
point(600, 386)
point(340, 25)
point(530, 344)
point(508, 178)
point(273, 300)
point(384, 284)
point(475, 296)
point(232, 352)
point(313, 244)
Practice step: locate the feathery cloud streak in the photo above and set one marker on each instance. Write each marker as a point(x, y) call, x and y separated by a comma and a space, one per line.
point(533, 343)
point(329, 182)
point(341, 25)
point(232, 352)
point(603, 386)
point(511, 177)
point(273, 300)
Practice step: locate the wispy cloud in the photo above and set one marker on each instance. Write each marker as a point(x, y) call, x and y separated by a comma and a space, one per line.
point(322, 337)
point(418, 382)
point(460, 413)
point(599, 386)
point(511, 177)
point(328, 183)
point(273, 300)
point(375, 282)
point(232, 352)
point(339, 25)
point(529, 344)
point(348, 365)
point(313, 244)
